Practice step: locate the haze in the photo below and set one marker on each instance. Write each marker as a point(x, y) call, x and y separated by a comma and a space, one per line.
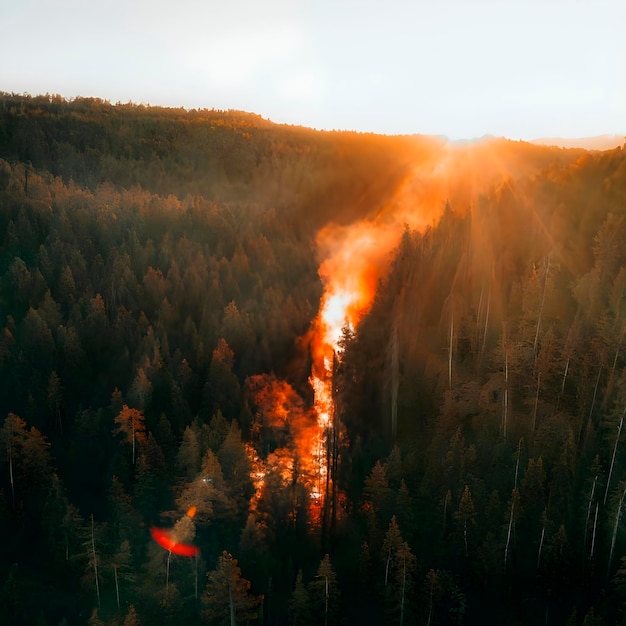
point(516, 69)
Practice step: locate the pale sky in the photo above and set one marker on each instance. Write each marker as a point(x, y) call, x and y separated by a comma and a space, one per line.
point(521, 69)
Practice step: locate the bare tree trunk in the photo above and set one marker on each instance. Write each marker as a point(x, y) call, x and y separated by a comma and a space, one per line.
point(486, 321)
point(593, 491)
point(326, 605)
point(508, 534)
point(615, 360)
point(593, 535)
point(595, 393)
point(610, 382)
point(608, 480)
point(543, 299)
point(117, 587)
point(11, 478)
point(558, 402)
point(506, 405)
point(167, 570)
point(583, 427)
point(387, 567)
point(403, 592)
point(465, 534)
point(430, 605)
point(95, 562)
point(447, 498)
point(617, 516)
point(231, 605)
point(450, 353)
point(57, 412)
point(335, 454)
point(479, 312)
point(543, 534)
point(519, 452)
point(536, 401)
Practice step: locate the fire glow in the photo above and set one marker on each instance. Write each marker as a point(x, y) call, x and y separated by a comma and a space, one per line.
point(353, 258)
point(303, 435)
point(306, 439)
point(349, 272)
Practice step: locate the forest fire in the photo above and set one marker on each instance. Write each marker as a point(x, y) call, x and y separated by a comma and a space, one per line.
point(449, 323)
point(304, 442)
point(284, 431)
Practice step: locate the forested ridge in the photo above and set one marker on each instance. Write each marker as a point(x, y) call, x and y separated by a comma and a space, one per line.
point(158, 276)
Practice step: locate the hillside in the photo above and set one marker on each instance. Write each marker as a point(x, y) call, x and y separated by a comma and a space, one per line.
point(600, 142)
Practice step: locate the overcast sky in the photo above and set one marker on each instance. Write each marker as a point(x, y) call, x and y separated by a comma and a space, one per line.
point(522, 69)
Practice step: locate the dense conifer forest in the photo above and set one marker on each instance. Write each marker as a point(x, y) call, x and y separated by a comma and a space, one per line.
point(160, 274)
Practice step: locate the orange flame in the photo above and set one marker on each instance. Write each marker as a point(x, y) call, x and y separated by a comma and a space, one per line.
point(293, 430)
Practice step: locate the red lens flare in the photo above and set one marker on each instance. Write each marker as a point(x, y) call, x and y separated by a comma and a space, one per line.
point(164, 538)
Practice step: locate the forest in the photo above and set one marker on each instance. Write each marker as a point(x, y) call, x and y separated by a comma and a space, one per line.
point(260, 374)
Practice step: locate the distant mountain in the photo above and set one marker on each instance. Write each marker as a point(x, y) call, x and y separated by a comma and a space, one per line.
point(599, 142)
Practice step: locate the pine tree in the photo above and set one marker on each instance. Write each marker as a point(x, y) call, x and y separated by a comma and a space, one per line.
point(13, 435)
point(94, 619)
point(222, 392)
point(61, 522)
point(91, 573)
point(404, 507)
point(532, 494)
point(405, 566)
point(433, 590)
point(227, 597)
point(189, 455)
point(236, 469)
point(201, 495)
point(513, 512)
point(324, 592)
point(391, 544)
point(131, 619)
point(123, 576)
point(55, 398)
point(26, 453)
point(141, 390)
point(123, 521)
point(299, 604)
point(130, 423)
point(377, 495)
